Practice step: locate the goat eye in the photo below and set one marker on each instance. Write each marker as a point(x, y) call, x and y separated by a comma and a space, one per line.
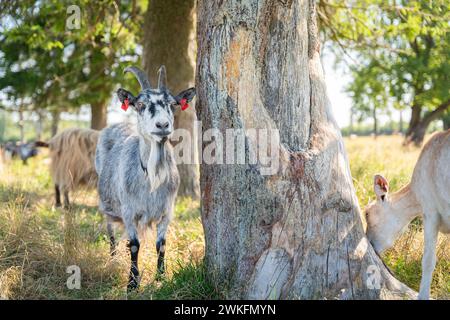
point(140, 104)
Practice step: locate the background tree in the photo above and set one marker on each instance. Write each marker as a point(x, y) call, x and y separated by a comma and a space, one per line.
point(369, 95)
point(169, 39)
point(74, 67)
point(298, 233)
point(446, 120)
point(407, 42)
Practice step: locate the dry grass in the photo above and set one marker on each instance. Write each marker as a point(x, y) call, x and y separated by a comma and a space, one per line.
point(38, 242)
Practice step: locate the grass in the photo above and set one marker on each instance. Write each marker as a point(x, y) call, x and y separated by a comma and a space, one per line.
point(38, 242)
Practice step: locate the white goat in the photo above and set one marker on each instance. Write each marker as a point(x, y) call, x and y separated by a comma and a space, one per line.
point(427, 195)
point(138, 176)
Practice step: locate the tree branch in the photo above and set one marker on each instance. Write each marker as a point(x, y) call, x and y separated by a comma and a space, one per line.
point(436, 112)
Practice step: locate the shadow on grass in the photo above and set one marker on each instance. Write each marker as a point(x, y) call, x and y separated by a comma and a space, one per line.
point(190, 281)
point(14, 194)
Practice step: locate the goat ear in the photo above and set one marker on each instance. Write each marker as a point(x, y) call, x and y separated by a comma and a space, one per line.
point(125, 94)
point(188, 94)
point(380, 186)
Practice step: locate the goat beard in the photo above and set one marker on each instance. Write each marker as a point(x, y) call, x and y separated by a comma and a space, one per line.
point(157, 165)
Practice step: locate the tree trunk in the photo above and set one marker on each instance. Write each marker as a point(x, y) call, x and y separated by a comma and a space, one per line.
point(55, 122)
point(351, 120)
point(375, 122)
point(21, 125)
point(416, 132)
point(297, 233)
point(98, 116)
point(169, 39)
point(446, 121)
point(39, 124)
point(416, 111)
point(400, 122)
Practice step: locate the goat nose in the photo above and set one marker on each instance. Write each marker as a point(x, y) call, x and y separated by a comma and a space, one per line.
point(162, 125)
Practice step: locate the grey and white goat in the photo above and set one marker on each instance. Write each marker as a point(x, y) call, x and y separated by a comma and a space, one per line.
point(138, 177)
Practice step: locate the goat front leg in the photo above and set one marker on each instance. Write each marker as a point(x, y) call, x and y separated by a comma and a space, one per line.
point(161, 244)
point(133, 245)
point(429, 255)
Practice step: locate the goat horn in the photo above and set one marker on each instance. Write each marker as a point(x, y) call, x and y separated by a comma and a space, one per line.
point(162, 77)
point(140, 75)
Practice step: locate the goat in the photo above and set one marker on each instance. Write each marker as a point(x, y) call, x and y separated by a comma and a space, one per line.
point(72, 155)
point(427, 195)
point(138, 177)
point(22, 150)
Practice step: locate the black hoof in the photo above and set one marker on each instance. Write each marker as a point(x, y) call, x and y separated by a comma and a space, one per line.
point(160, 276)
point(132, 285)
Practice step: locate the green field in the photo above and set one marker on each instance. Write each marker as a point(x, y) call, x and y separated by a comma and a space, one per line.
point(38, 242)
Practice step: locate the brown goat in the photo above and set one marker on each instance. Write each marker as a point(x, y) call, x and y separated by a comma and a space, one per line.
point(72, 154)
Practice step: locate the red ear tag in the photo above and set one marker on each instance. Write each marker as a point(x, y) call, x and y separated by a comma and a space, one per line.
point(183, 103)
point(125, 105)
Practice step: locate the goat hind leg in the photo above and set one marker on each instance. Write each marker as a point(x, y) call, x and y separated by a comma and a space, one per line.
point(112, 239)
point(66, 199)
point(57, 196)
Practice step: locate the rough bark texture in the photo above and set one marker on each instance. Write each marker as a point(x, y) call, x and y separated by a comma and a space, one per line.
point(98, 116)
point(299, 233)
point(169, 39)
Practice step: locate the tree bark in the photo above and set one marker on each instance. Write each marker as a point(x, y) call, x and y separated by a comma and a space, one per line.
point(297, 233)
point(98, 116)
point(169, 39)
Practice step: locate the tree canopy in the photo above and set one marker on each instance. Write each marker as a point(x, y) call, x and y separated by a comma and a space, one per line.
point(46, 64)
point(397, 53)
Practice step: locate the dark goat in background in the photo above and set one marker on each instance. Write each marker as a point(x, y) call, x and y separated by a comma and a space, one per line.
point(24, 151)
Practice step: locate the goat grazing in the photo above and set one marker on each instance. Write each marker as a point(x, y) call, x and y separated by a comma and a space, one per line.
point(138, 177)
point(72, 154)
point(427, 195)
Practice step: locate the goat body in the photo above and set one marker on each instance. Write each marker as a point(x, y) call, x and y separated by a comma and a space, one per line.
point(427, 195)
point(22, 150)
point(127, 191)
point(138, 177)
point(72, 154)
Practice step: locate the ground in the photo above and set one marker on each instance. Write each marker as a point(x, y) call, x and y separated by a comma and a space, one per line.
point(39, 242)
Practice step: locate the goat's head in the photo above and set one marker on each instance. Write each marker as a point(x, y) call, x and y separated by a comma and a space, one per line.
point(382, 223)
point(154, 107)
